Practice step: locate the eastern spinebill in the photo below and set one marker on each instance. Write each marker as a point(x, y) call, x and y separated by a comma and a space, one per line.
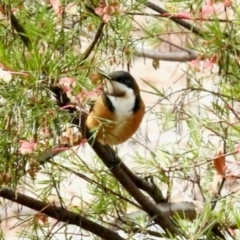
point(118, 111)
point(115, 115)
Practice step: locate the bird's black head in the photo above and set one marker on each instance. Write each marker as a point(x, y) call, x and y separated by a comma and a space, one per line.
point(120, 82)
point(123, 78)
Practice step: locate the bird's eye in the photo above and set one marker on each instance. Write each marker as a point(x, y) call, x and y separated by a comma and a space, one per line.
point(121, 80)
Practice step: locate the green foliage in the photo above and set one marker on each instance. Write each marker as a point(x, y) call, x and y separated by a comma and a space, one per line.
point(66, 45)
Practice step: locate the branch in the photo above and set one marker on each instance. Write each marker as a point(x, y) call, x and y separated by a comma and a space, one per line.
point(180, 22)
point(181, 209)
point(59, 213)
point(184, 210)
point(109, 158)
point(167, 56)
point(140, 182)
point(146, 186)
point(63, 100)
point(94, 42)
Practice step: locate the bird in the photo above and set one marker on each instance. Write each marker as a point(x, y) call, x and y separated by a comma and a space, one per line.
point(118, 111)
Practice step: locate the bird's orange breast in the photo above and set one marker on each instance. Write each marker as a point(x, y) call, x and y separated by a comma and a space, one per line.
point(111, 128)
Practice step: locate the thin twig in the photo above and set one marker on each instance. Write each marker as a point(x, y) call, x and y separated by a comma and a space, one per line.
point(178, 17)
point(94, 42)
point(180, 22)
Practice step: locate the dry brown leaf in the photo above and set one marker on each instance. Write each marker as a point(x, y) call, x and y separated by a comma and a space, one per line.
point(220, 163)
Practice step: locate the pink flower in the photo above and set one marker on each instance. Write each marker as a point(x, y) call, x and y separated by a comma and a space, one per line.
point(99, 11)
point(201, 65)
point(209, 9)
point(57, 7)
point(86, 95)
point(26, 147)
point(209, 64)
point(195, 64)
point(67, 83)
point(233, 231)
point(106, 11)
point(182, 15)
point(106, 18)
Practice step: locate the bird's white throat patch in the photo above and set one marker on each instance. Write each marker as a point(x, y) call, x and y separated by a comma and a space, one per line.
point(123, 104)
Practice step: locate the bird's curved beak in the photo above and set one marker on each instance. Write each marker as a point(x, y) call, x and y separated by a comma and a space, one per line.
point(107, 85)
